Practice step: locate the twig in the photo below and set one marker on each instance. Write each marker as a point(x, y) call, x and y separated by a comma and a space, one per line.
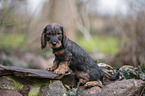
point(142, 91)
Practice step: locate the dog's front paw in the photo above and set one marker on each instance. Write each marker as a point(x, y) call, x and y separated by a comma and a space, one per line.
point(59, 71)
point(51, 68)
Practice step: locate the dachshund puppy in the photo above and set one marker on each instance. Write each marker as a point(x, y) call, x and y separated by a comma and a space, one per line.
point(68, 54)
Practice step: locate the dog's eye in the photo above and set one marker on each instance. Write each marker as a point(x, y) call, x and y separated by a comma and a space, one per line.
point(48, 33)
point(59, 33)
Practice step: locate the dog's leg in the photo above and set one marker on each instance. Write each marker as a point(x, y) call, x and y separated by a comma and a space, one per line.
point(93, 83)
point(54, 66)
point(83, 76)
point(63, 67)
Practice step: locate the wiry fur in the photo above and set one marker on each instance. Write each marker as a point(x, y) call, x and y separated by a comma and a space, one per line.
point(71, 55)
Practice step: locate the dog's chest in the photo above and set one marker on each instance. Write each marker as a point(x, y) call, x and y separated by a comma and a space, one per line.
point(60, 54)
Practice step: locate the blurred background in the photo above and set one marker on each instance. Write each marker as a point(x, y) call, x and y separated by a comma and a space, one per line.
point(112, 31)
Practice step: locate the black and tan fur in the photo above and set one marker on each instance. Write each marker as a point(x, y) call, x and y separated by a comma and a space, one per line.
point(68, 54)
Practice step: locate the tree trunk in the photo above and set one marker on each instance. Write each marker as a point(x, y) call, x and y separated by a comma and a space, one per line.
point(63, 12)
point(133, 48)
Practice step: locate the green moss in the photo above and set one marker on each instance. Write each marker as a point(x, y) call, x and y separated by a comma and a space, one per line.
point(34, 90)
point(106, 45)
point(18, 86)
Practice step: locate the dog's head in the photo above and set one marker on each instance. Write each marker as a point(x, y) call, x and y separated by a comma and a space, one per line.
point(54, 35)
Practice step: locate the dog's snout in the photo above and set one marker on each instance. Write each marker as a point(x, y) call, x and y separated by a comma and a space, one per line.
point(54, 43)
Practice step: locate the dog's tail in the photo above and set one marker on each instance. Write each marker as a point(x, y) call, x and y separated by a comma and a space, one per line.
point(113, 77)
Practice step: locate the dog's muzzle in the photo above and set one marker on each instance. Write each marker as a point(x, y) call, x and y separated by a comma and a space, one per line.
point(54, 43)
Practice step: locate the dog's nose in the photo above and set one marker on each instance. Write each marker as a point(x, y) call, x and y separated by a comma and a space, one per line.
point(54, 43)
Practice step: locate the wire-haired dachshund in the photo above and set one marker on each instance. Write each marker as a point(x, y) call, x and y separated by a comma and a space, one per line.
point(68, 54)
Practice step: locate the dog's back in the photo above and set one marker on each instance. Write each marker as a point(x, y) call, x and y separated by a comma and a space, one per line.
point(82, 62)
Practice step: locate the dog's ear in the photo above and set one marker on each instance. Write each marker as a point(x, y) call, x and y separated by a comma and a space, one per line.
point(43, 38)
point(64, 37)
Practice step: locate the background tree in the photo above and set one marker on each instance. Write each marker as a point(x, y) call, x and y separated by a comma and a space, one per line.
point(63, 12)
point(133, 33)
